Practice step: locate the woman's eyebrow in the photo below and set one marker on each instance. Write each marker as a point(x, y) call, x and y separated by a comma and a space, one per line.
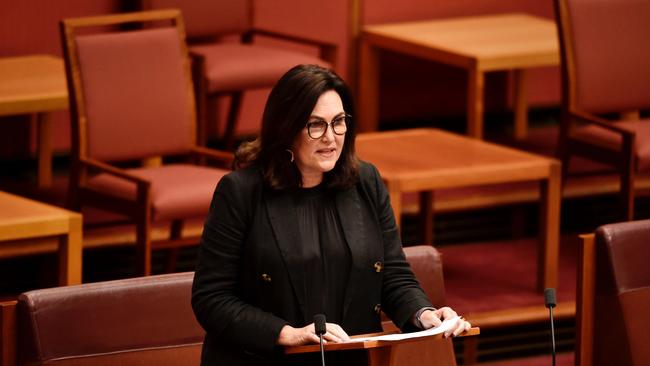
point(323, 119)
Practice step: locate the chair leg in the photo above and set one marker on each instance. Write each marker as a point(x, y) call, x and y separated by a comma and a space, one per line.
point(426, 217)
point(628, 165)
point(143, 245)
point(233, 117)
point(172, 255)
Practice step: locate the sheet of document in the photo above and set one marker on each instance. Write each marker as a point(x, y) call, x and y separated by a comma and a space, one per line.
point(446, 325)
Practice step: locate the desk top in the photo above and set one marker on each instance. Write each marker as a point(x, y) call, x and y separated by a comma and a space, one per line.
point(30, 84)
point(491, 42)
point(21, 217)
point(420, 159)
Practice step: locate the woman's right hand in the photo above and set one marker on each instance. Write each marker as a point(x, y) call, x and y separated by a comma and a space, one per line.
point(290, 336)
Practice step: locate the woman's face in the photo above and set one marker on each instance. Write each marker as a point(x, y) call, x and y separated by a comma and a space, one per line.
point(315, 156)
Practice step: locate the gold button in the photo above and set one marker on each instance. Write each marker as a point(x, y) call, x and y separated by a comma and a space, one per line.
point(378, 309)
point(378, 266)
point(266, 278)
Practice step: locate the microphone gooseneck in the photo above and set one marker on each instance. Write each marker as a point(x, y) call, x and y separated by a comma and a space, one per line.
point(320, 329)
point(550, 303)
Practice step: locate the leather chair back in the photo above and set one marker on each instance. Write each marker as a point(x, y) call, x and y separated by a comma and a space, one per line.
point(622, 320)
point(139, 321)
point(608, 53)
point(135, 87)
point(613, 319)
point(206, 18)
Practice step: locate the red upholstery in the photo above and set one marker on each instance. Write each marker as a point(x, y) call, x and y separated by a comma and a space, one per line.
point(611, 54)
point(234, 66)
point(177, 191)
point(607, 138)
point(139, 321)
point(135, 91)
point(209, 17)
point(622, 286)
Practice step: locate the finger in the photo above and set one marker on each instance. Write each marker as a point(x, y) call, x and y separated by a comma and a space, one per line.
point(460, 328)
point(448, 313)
point(332, 337)
point(336, 330)
point(430, 318)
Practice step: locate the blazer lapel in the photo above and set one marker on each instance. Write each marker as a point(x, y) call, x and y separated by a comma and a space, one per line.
point(283, 221)
point(349, 208)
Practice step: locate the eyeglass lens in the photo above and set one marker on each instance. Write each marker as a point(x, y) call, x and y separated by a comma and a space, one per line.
point(317, 129)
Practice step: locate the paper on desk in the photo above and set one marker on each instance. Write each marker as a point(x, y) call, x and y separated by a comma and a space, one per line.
point(446, 325)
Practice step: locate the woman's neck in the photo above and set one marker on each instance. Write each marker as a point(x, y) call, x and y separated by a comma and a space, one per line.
point(311, 180)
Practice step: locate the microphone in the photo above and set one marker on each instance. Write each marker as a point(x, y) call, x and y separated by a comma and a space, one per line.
point(549, 302)
point(319, 326)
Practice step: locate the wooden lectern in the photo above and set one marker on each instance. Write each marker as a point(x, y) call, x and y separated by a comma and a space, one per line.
point(380, 353)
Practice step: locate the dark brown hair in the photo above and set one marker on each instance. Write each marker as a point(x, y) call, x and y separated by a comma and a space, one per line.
point(287, 110)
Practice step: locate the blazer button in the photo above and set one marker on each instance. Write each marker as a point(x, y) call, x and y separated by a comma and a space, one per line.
point(378, 266)
point(266, 278)
point(377, 309)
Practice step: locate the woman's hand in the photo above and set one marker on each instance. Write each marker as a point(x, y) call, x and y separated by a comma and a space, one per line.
point(290, 336)
point(433, 318)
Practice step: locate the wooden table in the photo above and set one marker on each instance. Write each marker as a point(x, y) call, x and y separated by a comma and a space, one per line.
point(424, 160)
point(477, 44)
point(22, 218)
point(35, 84)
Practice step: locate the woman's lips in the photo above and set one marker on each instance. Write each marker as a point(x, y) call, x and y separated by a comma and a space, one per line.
point(326, 152)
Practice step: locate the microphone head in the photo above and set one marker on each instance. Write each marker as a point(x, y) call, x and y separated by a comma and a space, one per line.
point(549, 297)
point(319, 324)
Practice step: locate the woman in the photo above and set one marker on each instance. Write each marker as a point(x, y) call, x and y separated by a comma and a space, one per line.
point(302, 228)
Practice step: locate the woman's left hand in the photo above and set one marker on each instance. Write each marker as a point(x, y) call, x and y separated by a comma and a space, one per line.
point(433, 318)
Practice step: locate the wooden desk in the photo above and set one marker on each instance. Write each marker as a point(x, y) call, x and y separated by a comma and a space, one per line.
point(421, 160)
point(22, 218)
point(35, 84)
point(477, 44)
point(380, 353)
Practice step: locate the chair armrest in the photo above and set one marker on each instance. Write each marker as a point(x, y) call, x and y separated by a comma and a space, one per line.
point(328, 50)
point(112, 170)
point(226, 158)
point(601, 122)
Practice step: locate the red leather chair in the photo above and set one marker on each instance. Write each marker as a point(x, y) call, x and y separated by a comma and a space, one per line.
point(136, 321)
point(131, 99)
point(613, 296)
point(605, 61)
point(230, 68)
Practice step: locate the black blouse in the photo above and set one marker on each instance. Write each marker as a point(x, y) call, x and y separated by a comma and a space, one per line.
point(326, 254)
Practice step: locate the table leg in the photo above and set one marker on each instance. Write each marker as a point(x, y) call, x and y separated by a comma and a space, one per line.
point(475, 90)
point(520, 104)
point(548, 248)
point(44, 150)
point(368, 88)
point(70, 253)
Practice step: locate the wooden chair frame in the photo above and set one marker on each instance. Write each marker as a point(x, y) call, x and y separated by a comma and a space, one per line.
point(140, 209)
point(623, 157)
point(585, 292)
point(327, 51)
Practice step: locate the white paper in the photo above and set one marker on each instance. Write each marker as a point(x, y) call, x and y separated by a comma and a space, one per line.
point(446, 325)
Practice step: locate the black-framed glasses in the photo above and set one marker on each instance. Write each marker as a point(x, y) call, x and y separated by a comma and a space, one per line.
point(316, 128)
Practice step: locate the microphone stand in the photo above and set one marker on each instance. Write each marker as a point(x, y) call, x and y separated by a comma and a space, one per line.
point(550, 309)
point(550, 303)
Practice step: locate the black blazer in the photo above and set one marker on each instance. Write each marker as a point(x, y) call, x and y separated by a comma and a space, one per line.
point(249, 283)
